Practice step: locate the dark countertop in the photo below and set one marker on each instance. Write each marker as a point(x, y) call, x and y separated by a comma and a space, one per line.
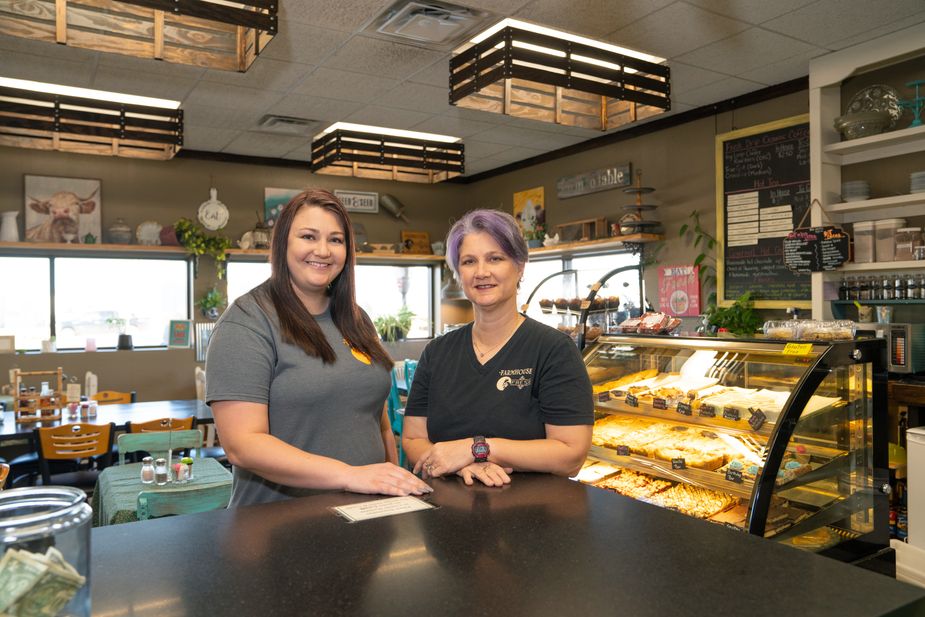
point(541, 546)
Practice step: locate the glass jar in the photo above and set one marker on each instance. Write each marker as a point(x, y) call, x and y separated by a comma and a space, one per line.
point(47, 525)
point(906, 240)
point(161, 474)
point(147, 470)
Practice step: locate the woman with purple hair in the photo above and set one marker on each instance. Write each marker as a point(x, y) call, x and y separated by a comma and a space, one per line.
point(505, 393)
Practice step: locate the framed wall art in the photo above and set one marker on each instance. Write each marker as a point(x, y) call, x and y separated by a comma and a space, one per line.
point(529, 209)
point(359, 201)
point(417, 242)
point(62, 209)
point(180, 334)
point(273, 201)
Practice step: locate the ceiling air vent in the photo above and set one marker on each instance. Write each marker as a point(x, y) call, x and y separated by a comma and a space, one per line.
point(437, 25)
point(287, 125)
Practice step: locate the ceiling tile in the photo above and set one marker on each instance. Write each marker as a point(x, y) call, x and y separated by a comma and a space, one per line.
point(751, 11)
point(233, 97)
point(437, 74)
point(517, 153)
point(719, 91)
point(314, 108)
point(143, 84)
point(207, 139)
point(513, 136)
point(700, 28)
point(46, 49)
point(453, 111)
point(831, 20)
point(382, 58)
point(501, 7)
point(444, 125)
point(263, 144)
point(48, 70)
point(265, 73)
point(219, 117)
point(878, 31)
point(303, 43)
point(745, 51)
point(345, 85)
point(387, 116)
point(481, 149)
point(685, 77)
point(482, 165)
point(592, 18)
point(347, 16)
point(785, 70)
point(418, 97)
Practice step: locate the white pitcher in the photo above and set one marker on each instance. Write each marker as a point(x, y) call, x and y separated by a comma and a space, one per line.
point(9, 228)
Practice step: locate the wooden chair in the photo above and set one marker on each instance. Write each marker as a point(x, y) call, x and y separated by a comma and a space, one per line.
point(4, 472)
point(111, 397)
point(186, 500)
point(157, 443)
point(74, 442)
point(162, 424)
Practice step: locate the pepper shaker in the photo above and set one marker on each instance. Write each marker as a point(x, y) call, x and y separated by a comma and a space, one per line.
point(161, 473)
point(147, 470)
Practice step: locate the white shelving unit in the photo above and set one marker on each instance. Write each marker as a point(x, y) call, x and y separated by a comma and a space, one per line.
point(828, 153)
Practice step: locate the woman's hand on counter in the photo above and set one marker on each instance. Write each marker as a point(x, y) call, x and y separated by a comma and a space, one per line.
point(488, 473)
point(384, 479)
point(445, 458)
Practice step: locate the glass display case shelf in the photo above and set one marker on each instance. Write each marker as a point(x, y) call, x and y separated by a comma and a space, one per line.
point(776, 439)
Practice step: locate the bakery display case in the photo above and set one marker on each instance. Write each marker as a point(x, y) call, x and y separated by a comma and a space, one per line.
point(780, 439)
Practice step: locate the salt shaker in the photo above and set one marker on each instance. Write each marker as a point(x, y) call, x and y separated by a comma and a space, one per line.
point(147, 470)
point(160, 472)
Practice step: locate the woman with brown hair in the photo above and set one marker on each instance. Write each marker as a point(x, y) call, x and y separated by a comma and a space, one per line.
point(296, 375)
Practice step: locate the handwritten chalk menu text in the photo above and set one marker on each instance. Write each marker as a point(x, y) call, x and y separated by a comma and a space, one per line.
point(763, 198)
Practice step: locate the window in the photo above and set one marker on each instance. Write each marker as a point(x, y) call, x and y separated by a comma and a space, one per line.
point(381, 290)
point(94, 298)
point(624, 285)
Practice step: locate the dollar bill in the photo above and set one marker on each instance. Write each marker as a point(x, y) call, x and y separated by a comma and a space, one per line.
point(18, 574)
point(52, 582)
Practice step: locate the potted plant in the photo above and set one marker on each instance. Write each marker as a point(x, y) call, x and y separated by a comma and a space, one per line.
point(739, 318)
point(193, 237)
point(125, 340)
point(535, 236)
point(393, 328)
point(210, 304)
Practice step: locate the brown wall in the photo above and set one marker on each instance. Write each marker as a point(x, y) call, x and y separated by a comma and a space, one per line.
point(678, 162)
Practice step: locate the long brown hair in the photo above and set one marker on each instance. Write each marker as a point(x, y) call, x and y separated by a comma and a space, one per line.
point(296, 324)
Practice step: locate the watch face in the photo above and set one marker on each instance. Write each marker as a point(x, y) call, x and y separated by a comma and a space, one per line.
point(480, 452)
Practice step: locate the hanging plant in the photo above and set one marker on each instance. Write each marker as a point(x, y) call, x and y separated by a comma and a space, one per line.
point(193, 237)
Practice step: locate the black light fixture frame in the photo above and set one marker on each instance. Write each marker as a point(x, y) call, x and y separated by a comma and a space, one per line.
point(486, 63)
point(259, 14)
point(341, 147)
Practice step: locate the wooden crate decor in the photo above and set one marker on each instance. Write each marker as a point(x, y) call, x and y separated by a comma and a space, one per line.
point(520, 72)
point(45, 121)
point(367, 154)
point(207, 33)
point(30, 405)
point(580, 231)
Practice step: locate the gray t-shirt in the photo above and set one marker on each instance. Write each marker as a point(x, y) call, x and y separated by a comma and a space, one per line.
point(331, 410)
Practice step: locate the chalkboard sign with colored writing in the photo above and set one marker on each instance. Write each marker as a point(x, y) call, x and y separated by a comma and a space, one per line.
point(762, 195)
point(816, 249)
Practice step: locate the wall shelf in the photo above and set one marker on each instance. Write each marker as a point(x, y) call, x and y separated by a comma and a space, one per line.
point(884, 145)
point(400, 259)
point(594, 246)
point(851, 211)
point(881, 266)
point(26, 249)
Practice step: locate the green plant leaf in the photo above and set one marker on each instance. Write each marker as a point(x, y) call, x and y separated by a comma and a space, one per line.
point(697, 240)
point(711, 244)
point(699, 259)
point(683, 229)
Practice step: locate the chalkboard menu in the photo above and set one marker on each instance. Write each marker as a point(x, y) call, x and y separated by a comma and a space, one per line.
point(762, 197)
point(816, 249)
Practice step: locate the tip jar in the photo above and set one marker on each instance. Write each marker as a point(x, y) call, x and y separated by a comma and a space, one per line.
point(45, 567)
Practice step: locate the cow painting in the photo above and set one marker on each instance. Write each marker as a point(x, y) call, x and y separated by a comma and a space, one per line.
point(55, 214)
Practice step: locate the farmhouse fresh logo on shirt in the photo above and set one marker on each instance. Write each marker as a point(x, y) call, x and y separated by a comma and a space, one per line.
point(519, 378)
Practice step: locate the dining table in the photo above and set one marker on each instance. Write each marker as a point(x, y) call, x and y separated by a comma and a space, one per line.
point(115, 495)
point(118, 414)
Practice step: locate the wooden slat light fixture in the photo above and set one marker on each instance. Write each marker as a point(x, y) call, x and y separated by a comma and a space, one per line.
point(535, 72)
point(345, 149)
point(210, 33)
point(36, 115)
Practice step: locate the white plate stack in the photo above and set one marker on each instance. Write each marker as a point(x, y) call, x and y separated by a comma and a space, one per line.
point(856, 190)
point(917, 182)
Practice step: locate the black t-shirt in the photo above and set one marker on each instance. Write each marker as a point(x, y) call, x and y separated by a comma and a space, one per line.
point(537, 378)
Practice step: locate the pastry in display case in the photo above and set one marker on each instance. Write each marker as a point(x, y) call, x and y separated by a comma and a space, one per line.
point(775, 438)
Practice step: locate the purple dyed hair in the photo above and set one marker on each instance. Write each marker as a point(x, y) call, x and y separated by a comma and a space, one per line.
point(499, 225)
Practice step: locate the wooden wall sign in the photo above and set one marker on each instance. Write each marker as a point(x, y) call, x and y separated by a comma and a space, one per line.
point(593, 181)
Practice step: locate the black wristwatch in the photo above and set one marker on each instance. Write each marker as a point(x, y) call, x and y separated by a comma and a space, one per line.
point(480, 449)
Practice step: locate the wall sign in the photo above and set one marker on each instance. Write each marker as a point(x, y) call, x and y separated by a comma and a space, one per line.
point(762, 194)
point(594, 181)
point(816, 249)
point(679, 290)
point(359, 201)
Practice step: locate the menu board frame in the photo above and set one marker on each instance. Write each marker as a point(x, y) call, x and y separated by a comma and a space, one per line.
point(768, 183)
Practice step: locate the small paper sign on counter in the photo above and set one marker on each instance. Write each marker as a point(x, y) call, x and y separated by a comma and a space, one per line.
point(381, 507)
